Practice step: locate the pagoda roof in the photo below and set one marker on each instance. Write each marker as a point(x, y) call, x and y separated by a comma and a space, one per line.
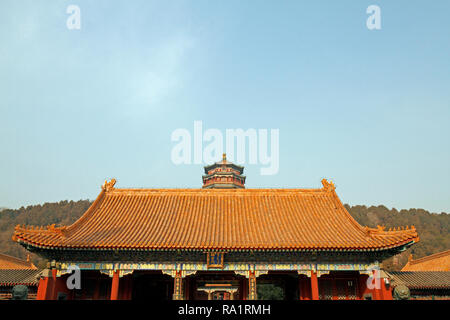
point(224, 162)
point(223, 173)
point(216, 219)
point(436, 262)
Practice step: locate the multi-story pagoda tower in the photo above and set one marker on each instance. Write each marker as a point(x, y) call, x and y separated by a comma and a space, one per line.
point(224, 175)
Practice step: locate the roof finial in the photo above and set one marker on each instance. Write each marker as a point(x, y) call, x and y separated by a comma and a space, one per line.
point(328, 186)
point(224, 157)
point(107, 186)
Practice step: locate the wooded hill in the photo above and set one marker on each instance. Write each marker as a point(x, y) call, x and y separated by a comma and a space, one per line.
point(433, 229)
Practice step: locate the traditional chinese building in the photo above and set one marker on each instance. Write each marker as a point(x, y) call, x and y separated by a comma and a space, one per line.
point(427, 278)
point(15, 271)
point(223, 175)
point(222, 241)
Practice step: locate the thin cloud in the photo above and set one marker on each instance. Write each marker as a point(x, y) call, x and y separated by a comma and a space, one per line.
point(162, 74)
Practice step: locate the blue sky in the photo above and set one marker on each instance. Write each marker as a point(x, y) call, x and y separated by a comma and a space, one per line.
point(369, 109)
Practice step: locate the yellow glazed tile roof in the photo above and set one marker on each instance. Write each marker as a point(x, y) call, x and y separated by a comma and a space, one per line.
point(222, 219)
point(13, 263)
point(435, 262)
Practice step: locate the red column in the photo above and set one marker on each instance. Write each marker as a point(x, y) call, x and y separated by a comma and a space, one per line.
point(42, 288)
point(314, 286)
point(115, 285)
point(52, 286)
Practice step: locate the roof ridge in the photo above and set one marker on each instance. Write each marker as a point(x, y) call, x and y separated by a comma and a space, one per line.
point(17, 260)
point(347, 214)
point(73, 227)
point(379, 231)
point(431, 257)
point(40, 229)
point(203, 190)
point(109, 187)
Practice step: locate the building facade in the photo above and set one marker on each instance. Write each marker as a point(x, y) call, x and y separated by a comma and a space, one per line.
point(222, 241)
